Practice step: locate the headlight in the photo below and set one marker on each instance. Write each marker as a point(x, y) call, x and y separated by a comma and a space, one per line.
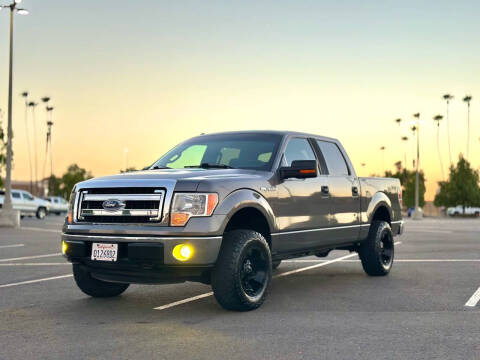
point(187, 205)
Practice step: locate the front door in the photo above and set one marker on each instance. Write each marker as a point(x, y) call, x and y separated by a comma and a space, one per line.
point(301, 209)
point(29, 202)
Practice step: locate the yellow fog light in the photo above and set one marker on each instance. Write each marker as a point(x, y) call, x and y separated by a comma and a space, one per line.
point(182, 252)
point(64, 247)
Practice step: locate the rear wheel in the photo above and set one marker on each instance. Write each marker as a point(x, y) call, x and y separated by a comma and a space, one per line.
point(94, 287)
point(377, 252)
point(243, 271)
point(41, 213)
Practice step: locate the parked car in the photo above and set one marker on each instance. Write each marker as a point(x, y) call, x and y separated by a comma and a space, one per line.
point(28, 204)
point(459, 210)
point(225, 209)
point(58, 205)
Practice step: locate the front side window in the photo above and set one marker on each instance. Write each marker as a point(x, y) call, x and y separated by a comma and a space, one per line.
point(27, 196)
point(333, 157)
point(240, 151)
point(297, 149)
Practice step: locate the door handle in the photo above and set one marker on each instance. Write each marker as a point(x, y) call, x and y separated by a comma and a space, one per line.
point(325, 190)
point(354, 191)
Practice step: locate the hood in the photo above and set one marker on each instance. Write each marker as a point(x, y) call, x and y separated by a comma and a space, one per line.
point(194, 175)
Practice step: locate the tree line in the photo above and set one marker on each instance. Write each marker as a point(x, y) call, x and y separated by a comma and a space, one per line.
point(461, 188)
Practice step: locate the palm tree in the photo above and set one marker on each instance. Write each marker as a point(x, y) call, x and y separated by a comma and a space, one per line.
point(45, 99)
point(413, 128)
point(27, 136)
point(49, 139)
point(447, 98)
point(439, 118)
point(467, 99)
point(33, 104)
point(405, 139)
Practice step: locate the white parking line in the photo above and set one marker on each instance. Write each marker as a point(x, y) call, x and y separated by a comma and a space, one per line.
point(163, 307)
point(40, 229)
point(30, 257)
point(201, 296)
point(396, 260)
point(11, 246)
point(36, 281)
point(36, 264)
point(473, 301)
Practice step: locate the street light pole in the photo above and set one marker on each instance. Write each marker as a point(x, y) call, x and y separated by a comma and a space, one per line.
point(7, 202)
point(417, 214)
point(8, 216)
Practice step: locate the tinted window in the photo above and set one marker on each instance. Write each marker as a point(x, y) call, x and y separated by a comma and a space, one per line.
point(16, 195)
point(333, 157)
point(297, 149)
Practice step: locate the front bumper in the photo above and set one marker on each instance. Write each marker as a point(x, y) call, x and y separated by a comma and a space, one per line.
point(143, 259)
point(147, 248)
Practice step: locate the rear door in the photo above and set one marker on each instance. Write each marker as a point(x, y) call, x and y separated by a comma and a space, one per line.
point(344, 190)
point(17, 201)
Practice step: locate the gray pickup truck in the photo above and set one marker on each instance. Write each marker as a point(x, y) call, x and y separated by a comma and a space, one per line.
point(225, 209)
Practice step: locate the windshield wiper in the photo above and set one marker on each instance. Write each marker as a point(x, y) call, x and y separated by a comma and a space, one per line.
point(159, 167)
point(210, 166)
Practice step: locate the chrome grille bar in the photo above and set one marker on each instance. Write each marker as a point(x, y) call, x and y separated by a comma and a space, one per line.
point(127, 197)
point(124, 212)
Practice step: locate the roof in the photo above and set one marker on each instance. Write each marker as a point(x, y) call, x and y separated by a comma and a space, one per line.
point(273, 132)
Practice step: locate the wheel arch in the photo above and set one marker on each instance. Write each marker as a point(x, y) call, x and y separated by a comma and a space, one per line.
point(380, 208)
point(247, 209)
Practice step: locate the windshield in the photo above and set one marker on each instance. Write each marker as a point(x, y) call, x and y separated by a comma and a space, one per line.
point(239, 151)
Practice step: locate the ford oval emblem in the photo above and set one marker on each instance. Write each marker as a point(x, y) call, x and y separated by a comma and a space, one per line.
point(113, 205)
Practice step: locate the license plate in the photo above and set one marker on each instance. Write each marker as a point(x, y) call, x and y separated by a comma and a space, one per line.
point(104, 252)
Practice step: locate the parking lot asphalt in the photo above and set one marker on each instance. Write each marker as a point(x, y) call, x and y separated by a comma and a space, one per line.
point(425, 309)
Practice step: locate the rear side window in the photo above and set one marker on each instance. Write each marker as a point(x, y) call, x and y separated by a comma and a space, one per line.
point(297, 149)
point(333, 157)
point(15, 195)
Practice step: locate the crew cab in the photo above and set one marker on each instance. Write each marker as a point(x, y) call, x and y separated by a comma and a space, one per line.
point(27, 204)
point(225, 209)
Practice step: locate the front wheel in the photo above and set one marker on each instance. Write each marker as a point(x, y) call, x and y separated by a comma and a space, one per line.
point(377, 251)
point(94, 287)
point(41, 213)
point(243, 271)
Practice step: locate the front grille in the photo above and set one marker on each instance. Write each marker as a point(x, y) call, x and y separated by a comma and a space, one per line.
point(120, 205)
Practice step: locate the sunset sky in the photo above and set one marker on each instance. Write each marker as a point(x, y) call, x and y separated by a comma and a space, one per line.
point(147, 74)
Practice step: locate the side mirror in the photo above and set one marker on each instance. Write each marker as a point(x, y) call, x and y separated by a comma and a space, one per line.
point(300, 169)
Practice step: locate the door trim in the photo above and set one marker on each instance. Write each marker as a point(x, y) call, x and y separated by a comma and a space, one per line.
point(319, 229)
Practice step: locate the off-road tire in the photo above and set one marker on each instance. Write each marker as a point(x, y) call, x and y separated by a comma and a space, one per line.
point(229, 271)
point(94, 287)
point(373, 250)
